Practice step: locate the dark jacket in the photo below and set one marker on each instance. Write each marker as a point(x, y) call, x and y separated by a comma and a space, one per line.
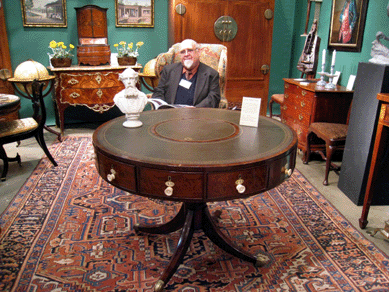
point(207, 91)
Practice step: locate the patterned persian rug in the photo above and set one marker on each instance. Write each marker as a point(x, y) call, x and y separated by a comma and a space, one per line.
point(69, 230)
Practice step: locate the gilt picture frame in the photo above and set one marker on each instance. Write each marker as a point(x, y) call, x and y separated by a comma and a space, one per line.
point(129, 14)
point(347, 25)
point(44, 13)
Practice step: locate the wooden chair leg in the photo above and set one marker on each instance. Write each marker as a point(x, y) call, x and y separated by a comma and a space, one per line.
point(271, 108)
point(308, 151)
point(6, 160)
point(329, 153)
point(4, 157)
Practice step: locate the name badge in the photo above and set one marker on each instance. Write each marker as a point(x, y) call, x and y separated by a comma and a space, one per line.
point(185, 83)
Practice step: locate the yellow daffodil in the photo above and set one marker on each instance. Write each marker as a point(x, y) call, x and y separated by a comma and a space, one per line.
point(59, 50)
point(53, 44)
point(125, 49)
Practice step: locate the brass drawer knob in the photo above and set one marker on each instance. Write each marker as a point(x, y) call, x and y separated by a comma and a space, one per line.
point(303, 92)
point(239, 185)
point(302, 104)
point(111, 176)
point(169, 187)
point(287, 171)
point(301, 117)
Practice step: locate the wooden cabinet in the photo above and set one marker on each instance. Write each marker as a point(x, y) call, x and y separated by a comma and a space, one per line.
point(306, 104)
point(93, 48)
point(90, 86)
point(248, 54)
point(378, 166)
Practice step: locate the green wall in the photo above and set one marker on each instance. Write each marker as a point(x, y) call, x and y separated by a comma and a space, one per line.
point(346, 62)
point(289, 23)
point(32, 43)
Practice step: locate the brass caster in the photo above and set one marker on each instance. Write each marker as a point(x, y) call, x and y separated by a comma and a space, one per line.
point(159, 286)
point(261, 260)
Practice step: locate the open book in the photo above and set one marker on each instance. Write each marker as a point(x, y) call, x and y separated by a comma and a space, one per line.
point(157, 103)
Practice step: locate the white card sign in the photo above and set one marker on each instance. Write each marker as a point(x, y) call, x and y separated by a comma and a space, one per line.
point(336, 78)
point(350, 83)
point(249, 115)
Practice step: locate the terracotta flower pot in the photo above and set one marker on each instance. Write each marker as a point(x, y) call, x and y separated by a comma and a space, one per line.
point(127, 61)
point(61, 62)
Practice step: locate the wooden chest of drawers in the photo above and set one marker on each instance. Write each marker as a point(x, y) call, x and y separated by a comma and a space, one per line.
point(306, 104)
point(90, 86)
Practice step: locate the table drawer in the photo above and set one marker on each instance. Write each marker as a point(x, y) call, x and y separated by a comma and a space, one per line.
point(222, 185)
point(117, 173)
point(187, 185)
point(89, 80)
point(88, 96)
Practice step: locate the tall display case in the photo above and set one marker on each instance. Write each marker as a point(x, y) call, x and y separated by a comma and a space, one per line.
point(371, 79)
point(93, 48)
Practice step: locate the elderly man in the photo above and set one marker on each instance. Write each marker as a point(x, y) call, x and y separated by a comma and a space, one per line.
point(189, 82)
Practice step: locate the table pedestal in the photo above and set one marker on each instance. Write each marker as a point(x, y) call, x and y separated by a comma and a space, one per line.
point(191, 217)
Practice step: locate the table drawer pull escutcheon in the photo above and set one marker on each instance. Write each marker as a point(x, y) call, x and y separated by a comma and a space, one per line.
point(301, 117)
point(286, 95)
point(239, 185)
point(111, 176)
point(169, 190)
point(73, 81)
point(98, 79)
point(303, 92)
point(99, 93)
point(74, 95)
point(302, 104)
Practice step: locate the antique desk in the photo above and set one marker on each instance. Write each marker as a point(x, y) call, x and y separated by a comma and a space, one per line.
point(306, 104)
point(195, 155)
point(9, 107)
point(379, 151)
point(90, 86)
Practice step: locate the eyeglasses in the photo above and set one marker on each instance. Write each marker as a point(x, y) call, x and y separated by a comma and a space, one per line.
point(187, 51)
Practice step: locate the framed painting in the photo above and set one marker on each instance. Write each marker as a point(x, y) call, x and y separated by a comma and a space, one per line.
point(44, 13)
point(347, 25)
point(131, 13)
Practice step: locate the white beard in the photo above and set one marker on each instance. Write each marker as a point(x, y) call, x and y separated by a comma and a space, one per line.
point(188, 64)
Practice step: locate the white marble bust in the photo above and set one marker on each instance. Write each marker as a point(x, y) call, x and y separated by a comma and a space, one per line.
point(131, 101)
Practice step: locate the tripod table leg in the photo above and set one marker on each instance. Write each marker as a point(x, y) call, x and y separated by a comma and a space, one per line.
point(173, 225)
point(182, 247)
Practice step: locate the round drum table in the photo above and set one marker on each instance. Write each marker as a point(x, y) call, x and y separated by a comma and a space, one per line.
point(9, 107)
point(195, 155)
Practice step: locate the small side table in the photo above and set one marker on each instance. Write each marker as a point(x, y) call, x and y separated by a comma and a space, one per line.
point(9, 107)
point(381, 139)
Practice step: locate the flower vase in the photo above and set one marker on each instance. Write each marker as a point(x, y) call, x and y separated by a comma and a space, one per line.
point(127, 61)
point(61, 62)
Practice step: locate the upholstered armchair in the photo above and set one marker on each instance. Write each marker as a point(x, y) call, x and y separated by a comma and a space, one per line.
point(213, 55)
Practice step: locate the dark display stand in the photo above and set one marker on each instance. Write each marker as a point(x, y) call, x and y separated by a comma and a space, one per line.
point(371, 79)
